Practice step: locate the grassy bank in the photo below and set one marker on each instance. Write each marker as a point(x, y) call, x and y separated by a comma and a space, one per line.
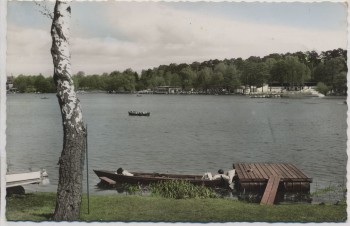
point(39, 207)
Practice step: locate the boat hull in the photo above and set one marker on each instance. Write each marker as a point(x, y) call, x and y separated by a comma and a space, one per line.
point(148, 178)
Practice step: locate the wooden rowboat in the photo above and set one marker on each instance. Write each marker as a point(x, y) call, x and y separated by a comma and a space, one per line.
point(139, 113)
point(148, 178)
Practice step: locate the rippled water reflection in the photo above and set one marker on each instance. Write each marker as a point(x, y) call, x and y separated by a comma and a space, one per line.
point(184, 134)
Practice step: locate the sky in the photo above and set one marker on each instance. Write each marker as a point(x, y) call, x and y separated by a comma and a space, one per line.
point(108, 36)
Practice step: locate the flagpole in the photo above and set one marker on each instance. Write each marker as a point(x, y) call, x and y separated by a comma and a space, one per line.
point(87, 170)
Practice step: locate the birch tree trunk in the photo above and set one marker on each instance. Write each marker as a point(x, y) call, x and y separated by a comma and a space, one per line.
point(71, 162)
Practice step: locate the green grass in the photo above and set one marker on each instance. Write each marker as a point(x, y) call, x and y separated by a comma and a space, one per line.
point(40, 206)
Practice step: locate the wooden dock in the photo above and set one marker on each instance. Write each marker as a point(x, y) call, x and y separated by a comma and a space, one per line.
point(20, 179)
point(271, 178)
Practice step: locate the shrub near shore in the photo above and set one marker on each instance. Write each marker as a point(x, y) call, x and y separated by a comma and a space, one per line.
point(180, 189)
point(40, 206)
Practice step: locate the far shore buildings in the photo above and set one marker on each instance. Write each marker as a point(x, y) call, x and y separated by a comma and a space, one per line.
point(278, 88)
point(9, 84)
point(272, 88)
point(167, 89)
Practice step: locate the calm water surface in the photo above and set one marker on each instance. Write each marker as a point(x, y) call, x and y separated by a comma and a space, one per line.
point(184, 134)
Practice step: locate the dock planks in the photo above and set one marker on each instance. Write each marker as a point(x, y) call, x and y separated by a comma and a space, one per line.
point(271, 190)
point(269, 176)
point(261, 172)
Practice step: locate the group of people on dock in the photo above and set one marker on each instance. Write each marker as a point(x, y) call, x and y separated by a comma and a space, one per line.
point(228, 176)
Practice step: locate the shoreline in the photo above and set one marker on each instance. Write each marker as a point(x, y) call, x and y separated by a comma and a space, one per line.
point(126, 208)
point(279, 95)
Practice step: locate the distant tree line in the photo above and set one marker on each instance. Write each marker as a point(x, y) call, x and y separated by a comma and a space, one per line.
point(292, 70)
point(33, 83)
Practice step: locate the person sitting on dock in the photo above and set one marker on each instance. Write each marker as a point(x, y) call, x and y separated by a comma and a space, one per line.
point(228, 177)
point(124, 172)
point(221, 175)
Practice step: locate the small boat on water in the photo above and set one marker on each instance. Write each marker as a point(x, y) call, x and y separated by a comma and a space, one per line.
point(139, 113)
point(148, 178)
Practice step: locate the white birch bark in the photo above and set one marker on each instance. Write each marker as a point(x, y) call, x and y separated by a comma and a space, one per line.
point(71, 162)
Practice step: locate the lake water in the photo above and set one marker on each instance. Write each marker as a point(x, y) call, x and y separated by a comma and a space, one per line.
point(184, 134)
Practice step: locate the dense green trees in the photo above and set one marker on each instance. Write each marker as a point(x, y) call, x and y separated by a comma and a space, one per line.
point(290, 69)
point(322, 88)
point(331, 72)
point(27, 84)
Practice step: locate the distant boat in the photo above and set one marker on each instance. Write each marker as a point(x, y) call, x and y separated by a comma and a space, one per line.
point(139, 113)
point(80, 92)
point(44, 98)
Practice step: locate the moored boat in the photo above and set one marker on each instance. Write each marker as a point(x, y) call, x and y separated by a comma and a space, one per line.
point(148, 178)
point(15, 182)
point(139, 113)
point(19, 179)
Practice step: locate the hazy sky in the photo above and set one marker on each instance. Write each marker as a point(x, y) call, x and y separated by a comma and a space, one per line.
point(107, 36)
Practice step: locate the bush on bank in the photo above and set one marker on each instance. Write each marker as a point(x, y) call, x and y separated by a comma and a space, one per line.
point(180, 189)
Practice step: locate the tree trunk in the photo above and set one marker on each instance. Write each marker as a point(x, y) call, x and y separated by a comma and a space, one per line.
point(71, 162)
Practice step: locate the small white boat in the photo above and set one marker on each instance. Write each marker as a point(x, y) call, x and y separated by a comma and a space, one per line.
point(20, 179)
